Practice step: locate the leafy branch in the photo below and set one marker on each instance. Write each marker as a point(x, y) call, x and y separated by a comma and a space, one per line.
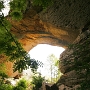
point(9, 45)
point(13, 49)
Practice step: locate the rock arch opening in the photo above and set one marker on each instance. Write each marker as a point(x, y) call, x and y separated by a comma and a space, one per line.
point(45, 53)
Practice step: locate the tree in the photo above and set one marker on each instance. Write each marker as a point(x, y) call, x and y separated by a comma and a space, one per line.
point(54, 64)
point(37, 81)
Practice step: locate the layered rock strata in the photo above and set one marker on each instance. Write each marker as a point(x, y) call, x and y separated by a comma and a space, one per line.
point(72, 79)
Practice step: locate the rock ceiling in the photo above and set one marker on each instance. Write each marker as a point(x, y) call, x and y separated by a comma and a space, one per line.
point(58, 25)
point(33, 31)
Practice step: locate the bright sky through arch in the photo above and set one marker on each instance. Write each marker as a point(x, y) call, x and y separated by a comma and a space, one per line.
point(42, 51)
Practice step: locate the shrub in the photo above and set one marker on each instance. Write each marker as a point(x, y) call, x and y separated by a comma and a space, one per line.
point(37, 82)
point(21, 85)
point(6, 87)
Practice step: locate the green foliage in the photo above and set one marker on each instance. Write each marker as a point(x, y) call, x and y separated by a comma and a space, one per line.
point(2, 78)
point(43, 3)
point(3, 75)
point(5, 39)
point(4, 22)
point(6, 87)
point(16, 15)
point(37, 82)
point(2, 68)
point(21, 85)
point(21, 65)
point(17, 7)
point(85, 85)
point(34, 64)
point(10, 47)
point(9, 44)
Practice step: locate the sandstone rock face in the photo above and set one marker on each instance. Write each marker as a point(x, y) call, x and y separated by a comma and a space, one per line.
point(58, 25)
point(70, 15)
point(9, 69)
point(33, 31)
point(71, 78)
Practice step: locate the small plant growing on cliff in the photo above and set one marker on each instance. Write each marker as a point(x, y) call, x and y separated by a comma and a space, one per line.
point(37, 82)
point(43, 3)
point(21, 85)
point(2, 77)
point(4, 86)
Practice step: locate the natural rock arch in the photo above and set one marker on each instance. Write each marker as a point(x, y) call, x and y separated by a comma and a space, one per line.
point(59, 25)
point(33, 31)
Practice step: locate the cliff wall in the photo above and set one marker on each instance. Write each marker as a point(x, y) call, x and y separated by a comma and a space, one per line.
point(75, 62)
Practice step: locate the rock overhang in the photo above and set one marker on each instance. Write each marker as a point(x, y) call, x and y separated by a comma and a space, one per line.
point(58, 25)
